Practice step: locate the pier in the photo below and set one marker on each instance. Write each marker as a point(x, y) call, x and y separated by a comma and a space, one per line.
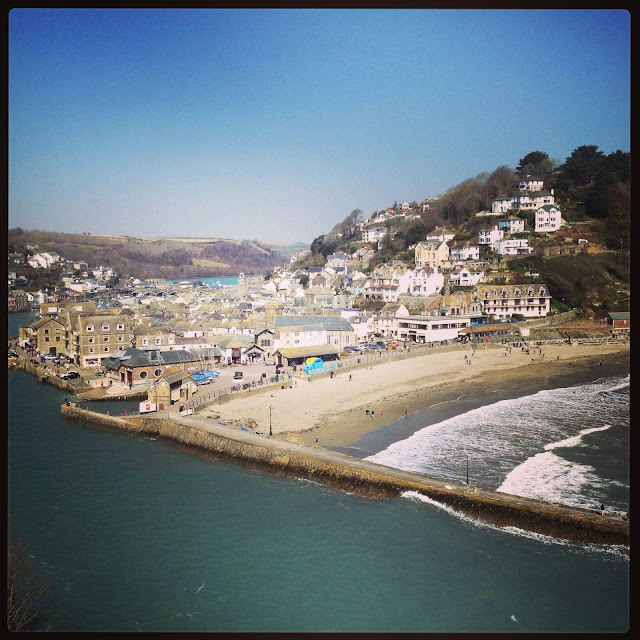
point(208, 437)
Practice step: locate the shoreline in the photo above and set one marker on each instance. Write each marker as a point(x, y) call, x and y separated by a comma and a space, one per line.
point(480, 393)
point(332, 413)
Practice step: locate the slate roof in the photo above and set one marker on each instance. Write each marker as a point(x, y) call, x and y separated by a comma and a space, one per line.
point(329, 323)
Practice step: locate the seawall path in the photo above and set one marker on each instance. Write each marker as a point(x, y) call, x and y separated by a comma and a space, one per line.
point(206, 436)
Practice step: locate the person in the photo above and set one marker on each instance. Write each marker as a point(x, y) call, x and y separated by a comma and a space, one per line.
point(602, 508)
point(349, 377)
point(367, 412)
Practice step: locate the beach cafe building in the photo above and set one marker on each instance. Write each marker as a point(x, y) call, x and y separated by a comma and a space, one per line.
point(431, 329)
point(483, 333)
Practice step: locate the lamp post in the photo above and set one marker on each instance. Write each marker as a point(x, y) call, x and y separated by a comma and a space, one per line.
point(467, 456)
point(270, 431)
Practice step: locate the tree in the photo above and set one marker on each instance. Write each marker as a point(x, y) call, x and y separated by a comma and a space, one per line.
point(316, 245)
point(536, 165)
point(582, 166)
point(26, 608)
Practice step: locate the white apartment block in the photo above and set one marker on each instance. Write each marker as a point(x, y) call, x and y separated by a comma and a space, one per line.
point(373, 234)
point(502, 301)
point(548, 219)
point(530, 202)
point(434, 329)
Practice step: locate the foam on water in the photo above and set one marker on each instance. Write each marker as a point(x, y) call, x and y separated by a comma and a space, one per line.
point(528, 446)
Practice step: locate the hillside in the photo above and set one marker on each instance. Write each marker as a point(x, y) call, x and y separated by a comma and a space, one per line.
point(591, 190)
point(171, 258)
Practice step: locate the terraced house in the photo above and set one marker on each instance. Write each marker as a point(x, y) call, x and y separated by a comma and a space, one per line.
point(504, 301)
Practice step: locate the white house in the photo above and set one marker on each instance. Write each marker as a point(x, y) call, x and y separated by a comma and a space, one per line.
point(512, 225)
point(533, 201)
point(531, 185)
point(513, 247)
point(426, 281)
point(490, 236)
point(501, 205)
point(548, 219)
point(465, 277)
point(373, 234)
point(464, 252)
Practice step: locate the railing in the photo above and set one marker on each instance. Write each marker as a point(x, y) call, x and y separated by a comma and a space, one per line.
point(212, 396)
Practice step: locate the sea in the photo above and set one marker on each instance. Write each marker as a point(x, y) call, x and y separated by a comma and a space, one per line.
point(132, 534)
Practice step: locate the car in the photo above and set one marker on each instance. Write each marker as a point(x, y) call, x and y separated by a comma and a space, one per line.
point(69, 375)
point(393, 344)
point(50, 356)
point(381, 344)
point(377, 347)
point(238, 375)
point(351, 350)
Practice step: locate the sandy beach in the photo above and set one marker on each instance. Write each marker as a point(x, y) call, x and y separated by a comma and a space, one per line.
point(337, 412)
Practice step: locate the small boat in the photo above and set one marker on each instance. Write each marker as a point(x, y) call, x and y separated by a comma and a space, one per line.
point(244, 428)
point(222, 421)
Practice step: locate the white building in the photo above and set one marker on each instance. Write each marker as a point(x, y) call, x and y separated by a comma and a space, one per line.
point(464, 253)
point(465, 277)
point(512, 247)
point(512, 225)
point(435, 329)
point(490, 236)
point(373, 234)
point(501, 205)
point(531, 185)
point(548, 219)
point(503, 301)
point(426, 281)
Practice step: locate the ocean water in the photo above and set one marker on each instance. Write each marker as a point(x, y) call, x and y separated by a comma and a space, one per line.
point(134, 534)
point(568, 445)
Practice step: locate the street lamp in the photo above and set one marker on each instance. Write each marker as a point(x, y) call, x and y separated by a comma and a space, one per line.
point(270, 431)
point(467, 456)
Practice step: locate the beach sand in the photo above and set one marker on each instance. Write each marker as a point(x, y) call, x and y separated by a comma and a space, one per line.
point(332, 412)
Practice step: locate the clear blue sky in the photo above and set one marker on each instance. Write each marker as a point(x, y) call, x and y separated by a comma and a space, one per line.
point(276, 124)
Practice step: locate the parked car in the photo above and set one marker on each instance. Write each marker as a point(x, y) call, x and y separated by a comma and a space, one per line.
point(393, 344)
point(69, 375)
point(238, 375)
point(13, 355)
point(50, 356)
point(352, 349)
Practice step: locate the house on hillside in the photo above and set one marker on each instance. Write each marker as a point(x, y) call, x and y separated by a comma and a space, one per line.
point(548, 219)
point(511, 225)
point(431, 253)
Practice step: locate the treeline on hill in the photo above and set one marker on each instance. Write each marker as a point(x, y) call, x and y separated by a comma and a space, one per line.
point(153, 258)
point(589, 187)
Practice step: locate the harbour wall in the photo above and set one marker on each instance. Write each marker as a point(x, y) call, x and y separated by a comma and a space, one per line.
point(370, 480)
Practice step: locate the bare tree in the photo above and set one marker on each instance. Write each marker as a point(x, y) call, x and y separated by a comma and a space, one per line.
point(26, 607)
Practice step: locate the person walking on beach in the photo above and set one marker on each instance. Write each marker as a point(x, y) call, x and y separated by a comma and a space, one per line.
point(602, 508)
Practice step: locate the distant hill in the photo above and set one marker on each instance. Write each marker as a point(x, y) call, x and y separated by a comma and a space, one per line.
point(171, 258)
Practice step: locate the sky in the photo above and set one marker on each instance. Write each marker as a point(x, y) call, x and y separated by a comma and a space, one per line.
point(275, 124)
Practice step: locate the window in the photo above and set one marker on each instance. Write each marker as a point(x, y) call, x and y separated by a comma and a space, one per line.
point(157, 373)
point(46, 339)
point(46, 332)
point(143, 375)
point(92, 350)
point(105, 327)
point(120, 327)
point(120, 338)
point(57, 338)
point(91, 340)
point(89, 327)
point(106, 349)
point(105, 339)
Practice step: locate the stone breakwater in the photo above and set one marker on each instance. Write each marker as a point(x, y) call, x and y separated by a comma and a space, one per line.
point(368, 479)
